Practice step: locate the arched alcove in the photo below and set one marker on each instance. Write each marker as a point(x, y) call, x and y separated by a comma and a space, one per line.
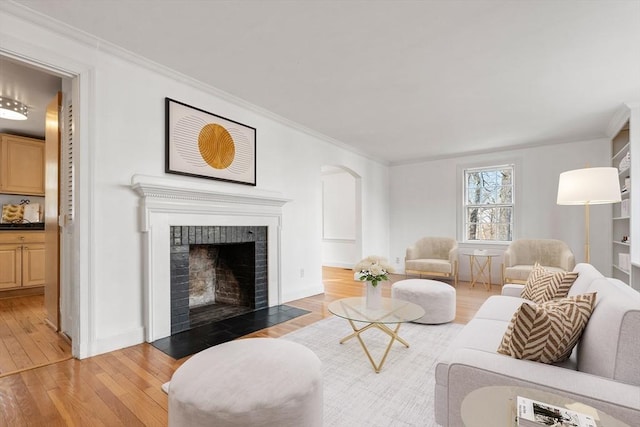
point(341, 216)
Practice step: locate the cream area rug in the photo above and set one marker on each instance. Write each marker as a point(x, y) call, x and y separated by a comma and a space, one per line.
point(354, 395)
point(401, 395)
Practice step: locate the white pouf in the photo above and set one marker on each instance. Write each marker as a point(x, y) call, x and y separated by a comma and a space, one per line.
point(248, 382)
point(438, 299)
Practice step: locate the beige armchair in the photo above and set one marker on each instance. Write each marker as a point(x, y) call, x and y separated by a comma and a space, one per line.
point(522, 254)
point(433, 256)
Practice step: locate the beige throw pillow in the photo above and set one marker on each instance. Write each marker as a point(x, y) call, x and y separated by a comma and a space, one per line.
point(543, 285)
point(547, 332)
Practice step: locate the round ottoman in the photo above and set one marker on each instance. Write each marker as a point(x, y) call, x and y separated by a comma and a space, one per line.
point(438, 299)
point(248, 382)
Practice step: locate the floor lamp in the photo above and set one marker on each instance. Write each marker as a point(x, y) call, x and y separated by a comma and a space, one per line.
point(589, 186)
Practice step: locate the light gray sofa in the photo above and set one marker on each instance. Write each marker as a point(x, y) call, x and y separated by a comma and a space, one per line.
point(603, 371)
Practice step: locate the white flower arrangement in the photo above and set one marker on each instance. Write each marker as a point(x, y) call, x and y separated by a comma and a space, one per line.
point(373, 269)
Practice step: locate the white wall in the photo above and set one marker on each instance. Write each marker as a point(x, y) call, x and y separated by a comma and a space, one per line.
point(121, 133)
point(426, 200)
point(339, 207)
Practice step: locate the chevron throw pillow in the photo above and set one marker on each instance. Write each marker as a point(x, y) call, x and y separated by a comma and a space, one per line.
point(547, 332)
point(543, 285)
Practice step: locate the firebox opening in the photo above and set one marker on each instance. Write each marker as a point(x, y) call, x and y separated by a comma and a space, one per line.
point(217, 272)
point(221, 281)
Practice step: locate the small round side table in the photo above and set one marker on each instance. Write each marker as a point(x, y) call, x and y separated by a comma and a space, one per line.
point(480, 264)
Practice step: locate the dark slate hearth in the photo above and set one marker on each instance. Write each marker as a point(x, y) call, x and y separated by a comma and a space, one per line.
point(202, 337)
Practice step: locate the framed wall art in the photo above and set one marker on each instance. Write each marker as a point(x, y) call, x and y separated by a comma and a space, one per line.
point(205, 145)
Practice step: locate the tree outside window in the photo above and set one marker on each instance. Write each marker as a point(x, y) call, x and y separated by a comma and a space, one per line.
point(488, 204)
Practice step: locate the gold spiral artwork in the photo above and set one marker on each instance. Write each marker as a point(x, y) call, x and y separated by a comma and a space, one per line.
point(216, 146)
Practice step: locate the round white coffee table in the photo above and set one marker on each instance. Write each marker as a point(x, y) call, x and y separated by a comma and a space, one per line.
point(498, 404)
point(392, 312)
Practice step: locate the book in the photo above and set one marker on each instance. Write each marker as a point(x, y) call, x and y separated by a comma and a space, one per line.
point(625, 162)
point(533, 413)
point(624, 208)
point(624, 261)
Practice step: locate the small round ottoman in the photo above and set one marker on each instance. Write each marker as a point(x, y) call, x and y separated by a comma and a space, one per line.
point(248, 382)
point(438, 299)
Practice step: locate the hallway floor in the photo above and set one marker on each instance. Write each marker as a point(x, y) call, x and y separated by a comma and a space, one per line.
point(26, 341)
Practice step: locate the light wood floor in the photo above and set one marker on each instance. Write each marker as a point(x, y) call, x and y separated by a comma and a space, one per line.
point(25, 340)
point(122, 388)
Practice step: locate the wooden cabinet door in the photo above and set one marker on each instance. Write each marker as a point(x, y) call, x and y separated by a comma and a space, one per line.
point(10, 266)
point(33, 264)
point(22, 166)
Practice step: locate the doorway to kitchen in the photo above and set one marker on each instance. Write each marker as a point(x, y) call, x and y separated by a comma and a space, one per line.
point(31, 308)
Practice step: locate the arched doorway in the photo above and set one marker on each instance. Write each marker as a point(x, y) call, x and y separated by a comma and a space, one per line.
point(341, 216)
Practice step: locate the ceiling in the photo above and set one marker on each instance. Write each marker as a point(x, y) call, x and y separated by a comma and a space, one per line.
point(396, 80)
point(33, 88)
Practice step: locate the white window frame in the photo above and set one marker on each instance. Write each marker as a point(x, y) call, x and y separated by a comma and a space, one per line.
point(466, 205)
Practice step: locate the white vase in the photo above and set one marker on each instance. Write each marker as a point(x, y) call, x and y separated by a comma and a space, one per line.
point(373, 296)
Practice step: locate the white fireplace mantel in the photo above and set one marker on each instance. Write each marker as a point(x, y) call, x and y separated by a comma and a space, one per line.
point(169, 188)
point(167, 202)
point(168, 194)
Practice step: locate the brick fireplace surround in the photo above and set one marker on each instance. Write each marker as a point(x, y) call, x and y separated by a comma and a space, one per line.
point(166, 202)
point(237, 269)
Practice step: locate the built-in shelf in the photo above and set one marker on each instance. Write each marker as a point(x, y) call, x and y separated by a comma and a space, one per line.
point(622, 152)
point(621, 213)
point(615, 267)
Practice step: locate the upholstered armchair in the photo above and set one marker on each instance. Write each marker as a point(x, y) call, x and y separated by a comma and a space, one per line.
point(433, 256)
point(522, 254)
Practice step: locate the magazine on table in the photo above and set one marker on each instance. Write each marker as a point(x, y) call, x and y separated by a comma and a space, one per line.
point(532, 413)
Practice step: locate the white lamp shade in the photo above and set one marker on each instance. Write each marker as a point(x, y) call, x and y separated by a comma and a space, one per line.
point(589, 186)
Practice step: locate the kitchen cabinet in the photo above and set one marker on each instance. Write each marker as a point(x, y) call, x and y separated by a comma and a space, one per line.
point(21, 260)
point(21, 165)
point(10, 266)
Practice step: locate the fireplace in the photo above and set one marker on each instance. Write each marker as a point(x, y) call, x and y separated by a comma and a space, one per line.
point(167, 202)
point(216, 272)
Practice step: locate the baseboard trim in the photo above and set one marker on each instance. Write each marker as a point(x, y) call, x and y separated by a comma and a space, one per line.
point(338, 265)
point(22, 292)
point(305, 292)
point(117, 342)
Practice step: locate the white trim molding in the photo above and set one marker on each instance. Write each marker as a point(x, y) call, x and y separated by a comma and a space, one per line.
point(166, 202)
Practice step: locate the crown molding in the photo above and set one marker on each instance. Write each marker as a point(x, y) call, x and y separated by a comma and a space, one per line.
point(492, 150)
point(99, 44)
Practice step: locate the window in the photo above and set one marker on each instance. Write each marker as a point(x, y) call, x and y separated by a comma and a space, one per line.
point(488, 204)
